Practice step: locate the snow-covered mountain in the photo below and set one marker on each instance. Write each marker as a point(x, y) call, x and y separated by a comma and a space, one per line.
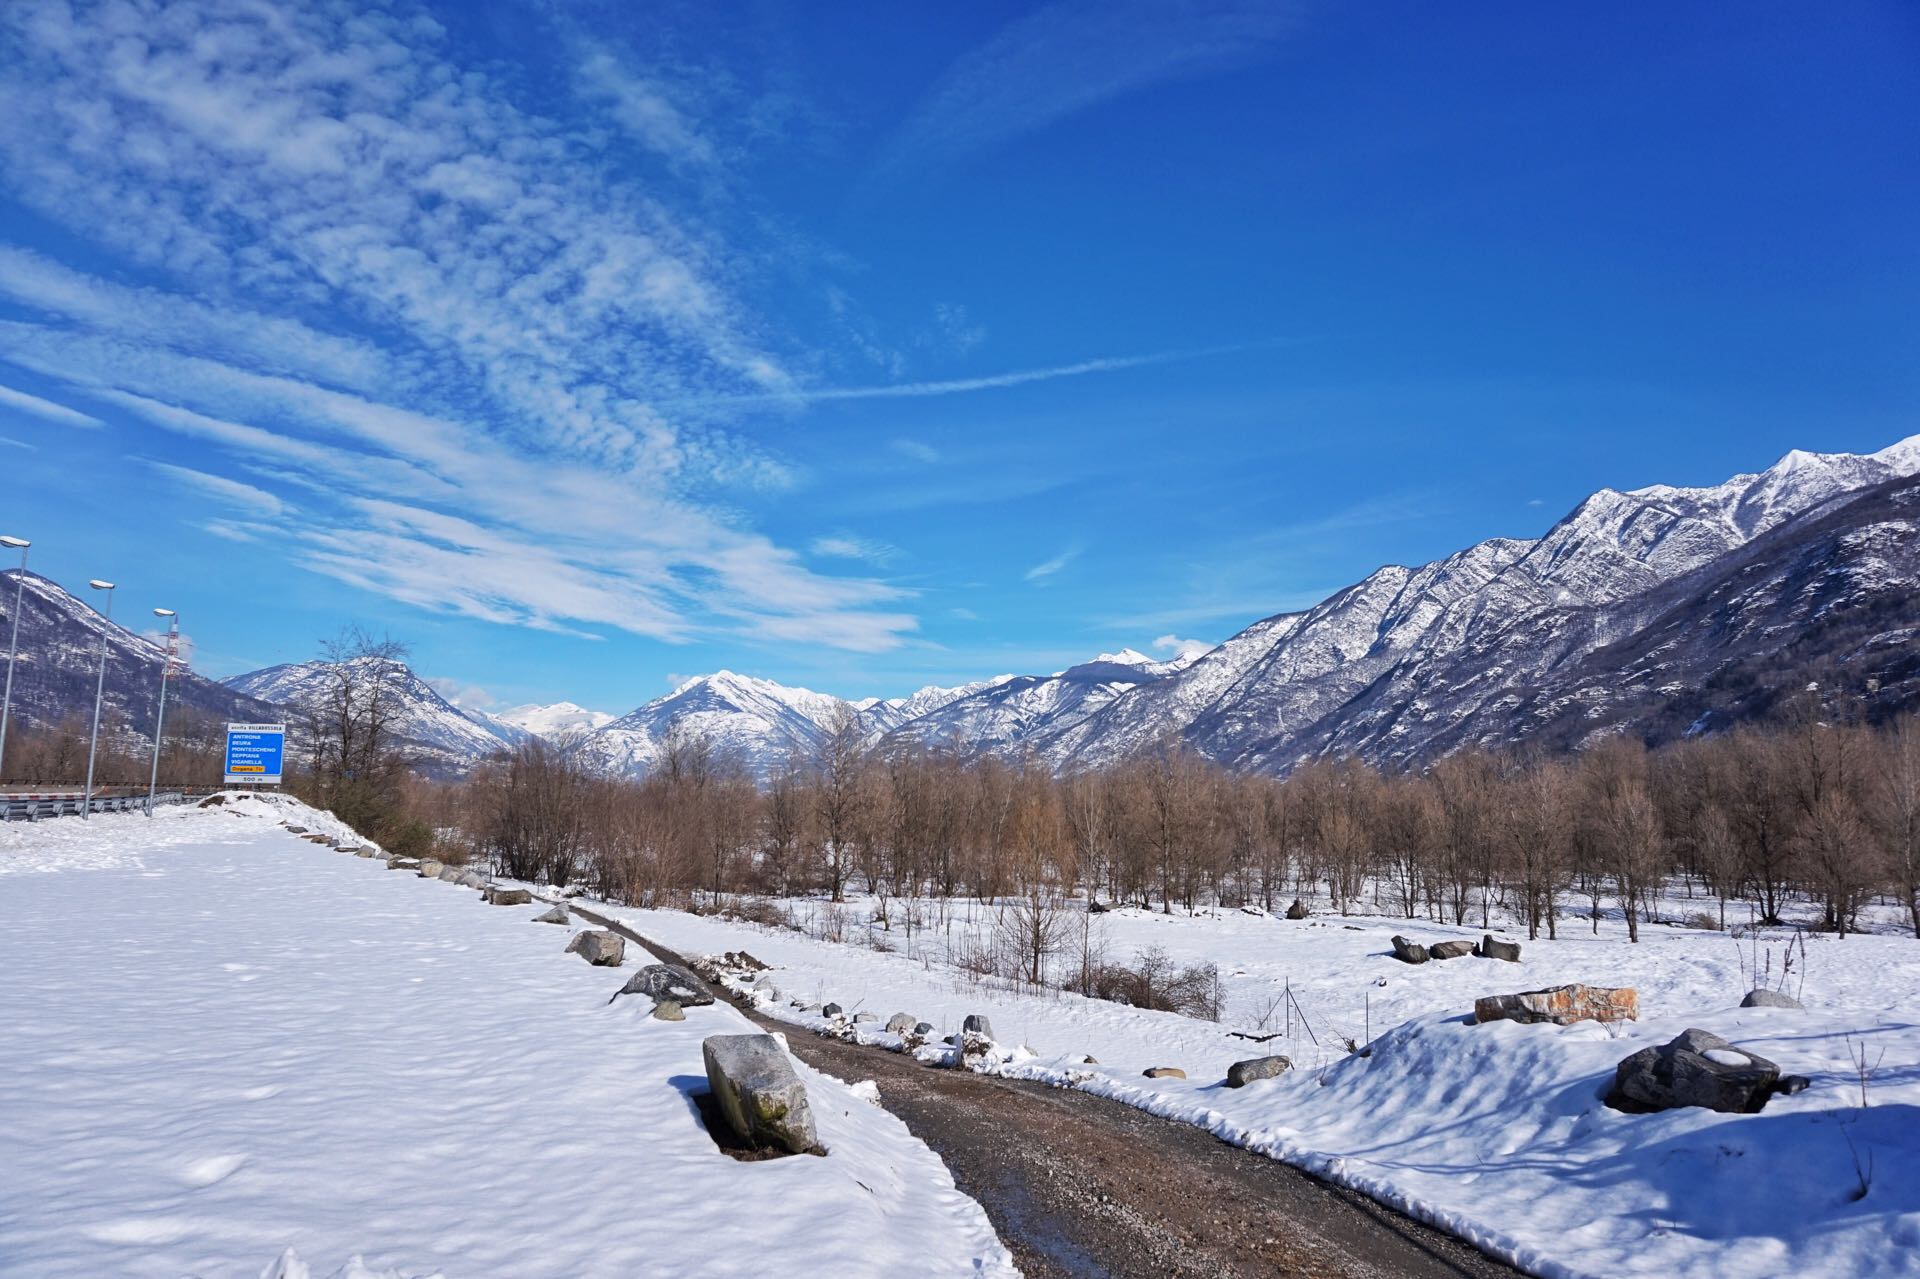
point(441, 735)
point(756, 722)
point(553, 721)
point(59, 658)
point(1011, 711)
point(1497, 616)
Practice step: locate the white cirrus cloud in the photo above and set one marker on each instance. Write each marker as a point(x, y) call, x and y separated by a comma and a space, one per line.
point(1066, 57)
point(230, 492)
point(46, 410)
point(370, 271)
point(1047, 568)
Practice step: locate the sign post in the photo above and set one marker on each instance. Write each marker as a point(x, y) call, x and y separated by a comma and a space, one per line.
point(255, 753)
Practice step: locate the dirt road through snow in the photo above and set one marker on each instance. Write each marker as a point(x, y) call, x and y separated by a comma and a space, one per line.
point(1079, 1186)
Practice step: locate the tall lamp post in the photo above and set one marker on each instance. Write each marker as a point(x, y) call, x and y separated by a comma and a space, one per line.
point(160, 715)
point(13, 647)
point(99, 689)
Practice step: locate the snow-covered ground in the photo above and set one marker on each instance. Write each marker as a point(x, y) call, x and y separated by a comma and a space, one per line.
point(1496, 1132)
point(220, 1042)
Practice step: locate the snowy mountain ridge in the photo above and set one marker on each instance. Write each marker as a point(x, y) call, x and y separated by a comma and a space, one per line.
point(441, 733)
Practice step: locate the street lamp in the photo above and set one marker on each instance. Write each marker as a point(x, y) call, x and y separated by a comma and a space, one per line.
point(6, 701)
point(160, 715)
point(99, 689)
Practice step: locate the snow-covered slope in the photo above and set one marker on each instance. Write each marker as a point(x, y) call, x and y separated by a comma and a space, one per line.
point(440, 733)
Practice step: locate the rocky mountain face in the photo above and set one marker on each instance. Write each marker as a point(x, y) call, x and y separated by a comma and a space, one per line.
point(59, 658)
point(1412, 662)
point(440, 736)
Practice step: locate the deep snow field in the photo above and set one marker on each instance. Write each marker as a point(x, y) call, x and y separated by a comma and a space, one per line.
point(220, 1043)
point(1496, 1132)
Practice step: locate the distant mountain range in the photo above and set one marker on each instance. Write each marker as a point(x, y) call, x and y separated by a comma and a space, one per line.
point(1661, 611)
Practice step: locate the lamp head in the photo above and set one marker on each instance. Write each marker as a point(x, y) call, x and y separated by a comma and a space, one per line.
point(15, 543)
point(163, 612)
point(99, 585)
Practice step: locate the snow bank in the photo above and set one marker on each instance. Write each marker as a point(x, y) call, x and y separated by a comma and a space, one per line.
point(1496, 1132)
point(222, 1042)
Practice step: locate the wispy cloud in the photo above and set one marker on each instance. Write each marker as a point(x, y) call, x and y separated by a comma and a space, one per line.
point(1047, 568)
point(1066, 57)
point(918, 450)
point(45, 409)
point(232, 492)
point(6, 442)
point(458, 324)
point(846, 546)
point(989, 382)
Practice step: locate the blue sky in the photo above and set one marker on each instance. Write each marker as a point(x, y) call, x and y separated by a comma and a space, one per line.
point(588, 346)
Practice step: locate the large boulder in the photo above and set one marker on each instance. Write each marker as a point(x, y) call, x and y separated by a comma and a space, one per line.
point(1449, 949)
point(666, 981)
point(977, 1023)
point(668, 1010)
point(758, 1094)
point(599, 947)
point(1561, 1005)
point(923, 1028)
point(862, 1019)
point(1242, 1073)
point(1695, 1068)
point(1493, 948)
point(1298, 910)
point(499, 895)
point(430, 868)
point(832, 1010)
point(366, 850)
point(900, 1023)
point(1408, 952)
point(553, 915)
point(403, 863)
point(1771, 999)
point(450, 874)
point(474, 879)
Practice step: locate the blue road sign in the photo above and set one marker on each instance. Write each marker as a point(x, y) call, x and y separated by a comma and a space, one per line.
point(255, 753)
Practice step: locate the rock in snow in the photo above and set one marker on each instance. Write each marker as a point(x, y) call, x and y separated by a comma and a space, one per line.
point(499, 896)
point(900, 1023)
point(977, 1024)
point(555, 915)
point(1449, 950)
point(666, 981)
point(599, 947)
point(1695, 1068)
point(1242, 1073)
point(1408, 952)
point(758, 1093)
point(1491, 948)
point(1771, 999)
point(1164, 1072)
point(1562, 1005)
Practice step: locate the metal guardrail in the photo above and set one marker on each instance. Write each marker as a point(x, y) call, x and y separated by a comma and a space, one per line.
point(33, 807)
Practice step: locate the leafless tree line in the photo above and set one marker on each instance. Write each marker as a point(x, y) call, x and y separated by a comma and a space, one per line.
point(1806, 811)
